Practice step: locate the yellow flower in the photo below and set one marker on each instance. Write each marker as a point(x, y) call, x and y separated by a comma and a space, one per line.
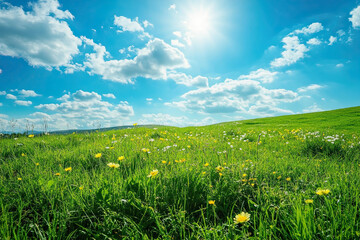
point(219, 168)
point(98, 155)
point(153, 173)
point(204, 173)
point(274, 172)
point(113, 165)
point(23, 154)
point(19, 178)
point(164, 162)
point(206, 164)
point(37, 164)
point(81, 187)
point(31, 136)
point(308, 201)
point(220, 174)
point(57, 174)
point(322, 192)
point(244, 175)
point(241, 218)
point(68, 169)
point(279, 177)
point(135, 124)
point(288, 179)
point(212, 202)
point(121, 158)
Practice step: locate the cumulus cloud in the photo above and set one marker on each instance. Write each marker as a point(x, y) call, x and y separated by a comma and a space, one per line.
point(172, 7)
point(314, 41)
point(1, 104)
point(294, 51)
point(311, 87)
point(109, 95)
point(177, 43)
point(312, 28)
point(332, 40)
point(40, 36)
point(339, 65)
point(84, 110)
point(232, 96)
point(153, 61)
point(261, 75)
point(313, 108)
point(10, 96)
point(188, 80)
point(2, 93)
point(355, 17)
point(28, 93)
point(23, 103)
point(267, 110)
point(126, 24)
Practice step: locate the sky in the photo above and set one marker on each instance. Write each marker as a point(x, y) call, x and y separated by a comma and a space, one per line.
point(88, 64)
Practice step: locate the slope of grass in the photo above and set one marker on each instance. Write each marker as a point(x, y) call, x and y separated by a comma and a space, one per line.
point(59, 187)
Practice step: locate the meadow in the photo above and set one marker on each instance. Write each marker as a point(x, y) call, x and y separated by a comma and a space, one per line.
point(289, 177)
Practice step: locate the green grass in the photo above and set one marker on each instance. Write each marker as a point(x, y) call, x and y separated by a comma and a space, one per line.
point(270, 166)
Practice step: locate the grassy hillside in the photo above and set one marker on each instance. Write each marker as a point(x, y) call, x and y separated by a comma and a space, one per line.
point(289, 177)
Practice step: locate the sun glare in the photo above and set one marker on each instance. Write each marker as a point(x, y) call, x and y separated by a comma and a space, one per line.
point(199, 22)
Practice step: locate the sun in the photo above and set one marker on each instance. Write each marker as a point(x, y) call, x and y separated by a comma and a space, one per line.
point(199, 22)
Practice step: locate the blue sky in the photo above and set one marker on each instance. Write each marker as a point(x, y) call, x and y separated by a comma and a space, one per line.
point(79, 66)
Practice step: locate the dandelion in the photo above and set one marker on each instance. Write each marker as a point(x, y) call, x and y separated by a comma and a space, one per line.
point(37, 164)
point(244, 175)
point(219, 168)
point(322, 192)
point(242, 218)
point(220, 174)
point(203, 173)
point(135, 124)
point(31, 136)
point(153, 173)
point(279, 177)
point(308, 201)
point(98, 155)
point(206, 164)
point(19, 178)
point(121, 158)
point(81, 187)
point(68, 169)
point(164, 162)
point(23, 154)
point(212, 202)
point(57, 174)
point(113, 165)
point(288, 179)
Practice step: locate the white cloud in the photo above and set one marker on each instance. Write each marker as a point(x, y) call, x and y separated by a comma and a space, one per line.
point(10, 96)
point(178, 34)
point(172, 7)
point(23, 103)
point(40, 36)
point(1, 104)
point(262, 75)
point(109, 95)
point(163, 119)
point(355, 17)
point(0, 71)
point(313, 108)
point(314, 41)
point(126, 24)
point(2, 93)
point(293, 52)
point(28, 93)
point(340, 32)
point(153, 61)
point(332, 39)
point(232, 96)
point(339, 65)
point(187, 80)
point(149, 99)
point(310, 88)
point(267, 110)
point(85, 110)
point(177, 43)
point(312, 28)
point(146, 24)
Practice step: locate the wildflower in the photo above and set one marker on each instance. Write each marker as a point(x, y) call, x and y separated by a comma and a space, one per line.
point(121, 158)
point(135, 124)
point(37, 164)
point(322, 192)
point(19, 178)
point(153, 173)
point(98, 155)
point(288, 179)
point(308, 201)
point(113, 165)
point(68, 169)
point(220, 174)
point(164, 162)
point(23, 154)
point(206, 164)
point(241, 218)
point(204, 173)
point(212, 202)
point(274, 172)
point(279, 177)
point(219, 168)
point(81, 187)
point(244, 175)
point(31, 136)
point(57, 174)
